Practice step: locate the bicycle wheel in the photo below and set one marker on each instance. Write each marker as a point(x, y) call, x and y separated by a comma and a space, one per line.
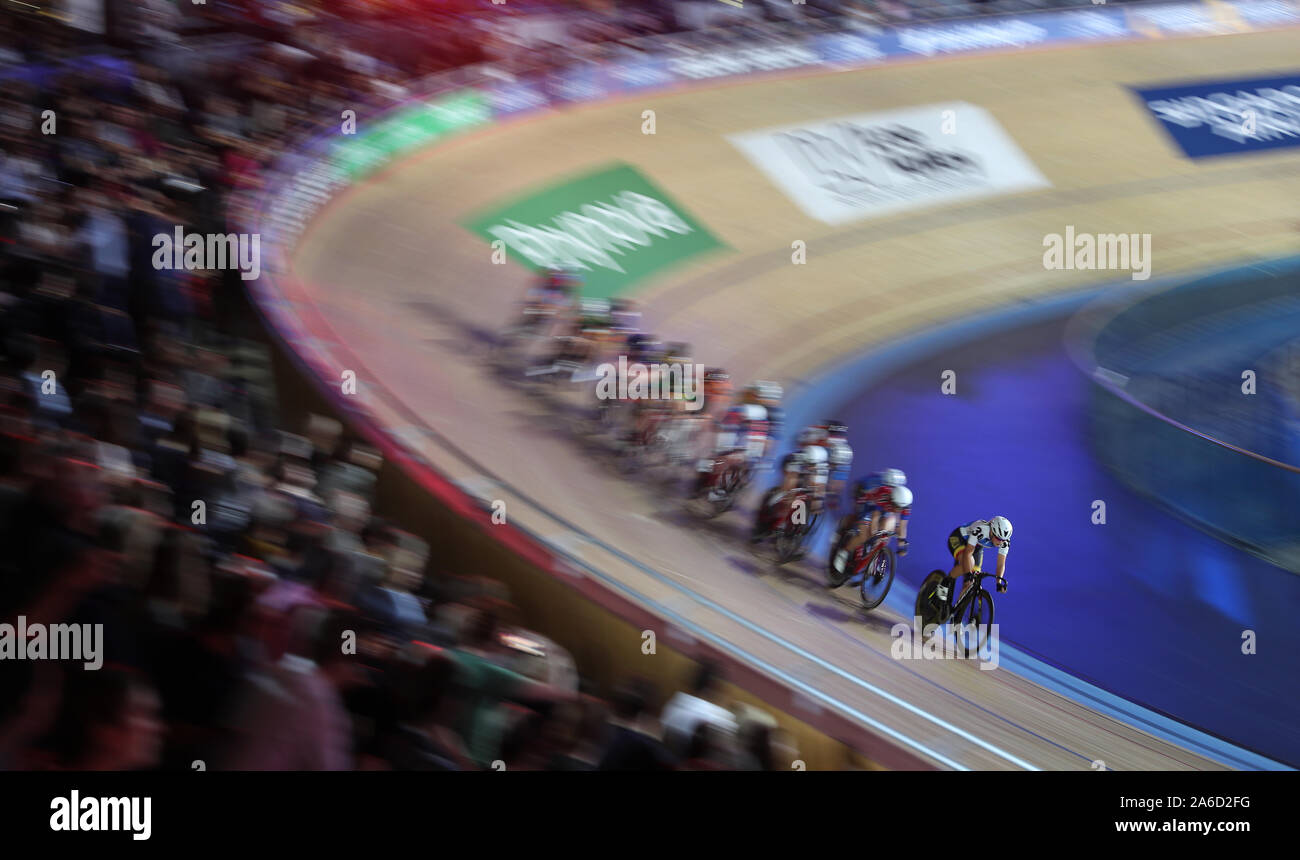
point(723, 495)
point(877, 576)
point(929, 609)
point(978, 628)
point(787, 542)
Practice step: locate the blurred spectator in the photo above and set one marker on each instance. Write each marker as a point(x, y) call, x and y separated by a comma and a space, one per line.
point(633, 742)
point(709, 749)
point(109, 721)
point(685, 711)
point(293, 717)
point(763, 746)
point(424, 739)
point(257, 613)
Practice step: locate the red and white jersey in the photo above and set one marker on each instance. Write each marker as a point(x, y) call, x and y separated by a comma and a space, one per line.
point(744, 426)
point(881, 498)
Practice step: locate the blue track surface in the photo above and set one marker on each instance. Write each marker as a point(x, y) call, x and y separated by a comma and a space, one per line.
point(1146, 606)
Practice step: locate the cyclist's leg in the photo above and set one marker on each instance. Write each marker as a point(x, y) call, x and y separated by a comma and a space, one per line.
point(706, 467)
point(764, 520)
point(789, 473)
point(772, 511)
point(964, 561)
point(856, 513)
point(868, 524)
point(977, 565)
point(862, 530)
point(732, 462)
point(956, 548)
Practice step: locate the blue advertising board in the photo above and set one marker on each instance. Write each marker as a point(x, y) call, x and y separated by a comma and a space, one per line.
point(1213, 118)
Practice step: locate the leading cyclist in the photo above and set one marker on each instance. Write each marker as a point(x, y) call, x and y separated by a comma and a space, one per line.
point(967, 544)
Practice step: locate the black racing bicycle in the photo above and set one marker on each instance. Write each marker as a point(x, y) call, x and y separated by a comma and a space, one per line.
point(971, 615)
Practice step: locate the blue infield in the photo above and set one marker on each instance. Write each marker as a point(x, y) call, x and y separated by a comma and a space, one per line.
point(1147, 611)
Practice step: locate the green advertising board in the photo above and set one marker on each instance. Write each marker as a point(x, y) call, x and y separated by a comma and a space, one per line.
point(410, 128)
point(612, 226)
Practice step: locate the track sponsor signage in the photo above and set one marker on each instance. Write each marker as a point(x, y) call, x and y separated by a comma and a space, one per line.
point(308, 184)
point(1228, 117)
point(962, 36)
point(724, 62)
point(614, 226)
point(850, 168)
point(411, 128)
point(513, 96)
point(582, 82)
point(1185, 19)
point(1267, 13)
point(639, 73)
point(850, 49)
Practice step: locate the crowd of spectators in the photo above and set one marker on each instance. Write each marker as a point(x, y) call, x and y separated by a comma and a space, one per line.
point(256, 613)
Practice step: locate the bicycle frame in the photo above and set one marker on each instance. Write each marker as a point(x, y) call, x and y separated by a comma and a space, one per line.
point(967, 597)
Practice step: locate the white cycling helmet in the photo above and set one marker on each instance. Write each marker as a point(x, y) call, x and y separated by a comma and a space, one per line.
point(768, 390)
point(1000, 528)
point(893, 478)
point(901, 497)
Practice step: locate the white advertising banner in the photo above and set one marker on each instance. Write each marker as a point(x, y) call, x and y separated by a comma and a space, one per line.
point(850, 168)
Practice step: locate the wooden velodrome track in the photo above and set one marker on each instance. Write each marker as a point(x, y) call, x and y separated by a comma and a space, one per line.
point(403, 286)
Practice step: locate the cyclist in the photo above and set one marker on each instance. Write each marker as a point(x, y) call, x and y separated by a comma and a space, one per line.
point(967, 544)
point(553, 296)
point(548, 309)
point(685, 409)
point(576, 347)
point(876, 497)
point(820, 458)
point(666, 388)
point(625, 314)
point(647, 353)
point(769, 396)
point(680, 382)
point(871, 490)
point(644, 352)
point(717, 392)
point(743, 436)
point(807, 466)
point(643, 348)
point(841, 457)
point(624, 331)
point(775, 412)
